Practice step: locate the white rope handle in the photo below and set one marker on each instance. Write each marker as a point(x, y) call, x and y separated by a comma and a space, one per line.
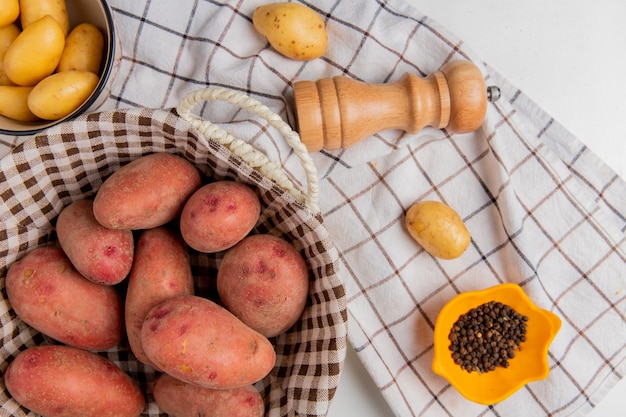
point(245, 151)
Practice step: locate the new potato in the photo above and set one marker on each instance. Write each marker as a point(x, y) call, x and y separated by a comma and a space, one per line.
point(61, 381)
point(438, 229)
point(292, 29)
point(14, 103)
point(100, 254)
point(47, 293)
point(264, 281)
point(61, 93)
point(147, 192)
point(9, 12)
point(160, 271)
point(83, 51)
point(35, 52)
point(33, 10)
point(199, 342)
point(180, 399)
point(7, 36)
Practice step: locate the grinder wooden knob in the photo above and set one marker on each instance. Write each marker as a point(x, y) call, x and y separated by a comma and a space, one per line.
point(337, 112)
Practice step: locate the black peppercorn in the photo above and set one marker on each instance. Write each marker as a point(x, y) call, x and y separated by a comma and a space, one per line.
point(487, 337)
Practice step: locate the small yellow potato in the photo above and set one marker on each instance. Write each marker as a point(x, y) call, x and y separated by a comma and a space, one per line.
point(14, 103)
point(8, 34)
point(438, 229)
point(61, 93)
point(33, 10)
point(293, 29)
point(35, 53)
point(9, 11)
point(83, 49)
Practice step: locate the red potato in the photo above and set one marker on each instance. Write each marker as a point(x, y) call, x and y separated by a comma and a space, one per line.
point(61, 381)
point(199, 342)
point(218, 215)
point(100, 254)
point(180, 399)
point(160, 271)
point(264, 281)
point(47, 293)
point(146, 193)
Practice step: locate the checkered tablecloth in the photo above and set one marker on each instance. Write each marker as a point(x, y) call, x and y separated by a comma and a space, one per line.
point(543, 210)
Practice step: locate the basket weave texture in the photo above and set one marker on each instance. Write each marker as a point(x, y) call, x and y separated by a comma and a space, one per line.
point(70, 162)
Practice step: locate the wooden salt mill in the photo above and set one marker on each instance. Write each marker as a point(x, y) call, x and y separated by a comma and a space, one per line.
point(337, 112)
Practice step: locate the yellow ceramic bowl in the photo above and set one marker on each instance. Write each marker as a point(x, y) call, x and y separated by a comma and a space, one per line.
point(530, 362)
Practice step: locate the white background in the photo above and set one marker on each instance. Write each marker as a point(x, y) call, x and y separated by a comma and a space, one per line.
point(569, 56)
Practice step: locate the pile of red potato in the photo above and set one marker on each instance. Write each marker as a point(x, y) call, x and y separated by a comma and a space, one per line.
point(138, 229)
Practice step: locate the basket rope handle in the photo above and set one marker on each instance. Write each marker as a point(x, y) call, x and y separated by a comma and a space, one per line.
point(253, 157)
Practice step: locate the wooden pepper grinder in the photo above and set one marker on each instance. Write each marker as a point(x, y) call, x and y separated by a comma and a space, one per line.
point(337, 112)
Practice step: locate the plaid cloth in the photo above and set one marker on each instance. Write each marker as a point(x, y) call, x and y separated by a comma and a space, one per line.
point(543, 211)
point(70, 161)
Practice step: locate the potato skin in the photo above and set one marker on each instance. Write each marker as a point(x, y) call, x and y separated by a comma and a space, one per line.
point(100, 254)
point(47, 293)
point(293, 29)
point(438, 229)
point(61, 381)
point(61, 93)
point(83, 51)
point(9, 12)
point(160, 271)
point(218, 215)
point(264, 281)
point(180, 399)
point(35, 53)
point(14, 103)
point(146, 193)
point(8, 34)
point(199, 342)
point(33, 10)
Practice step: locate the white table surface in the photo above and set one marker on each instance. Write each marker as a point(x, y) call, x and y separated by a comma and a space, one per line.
point(569, 56)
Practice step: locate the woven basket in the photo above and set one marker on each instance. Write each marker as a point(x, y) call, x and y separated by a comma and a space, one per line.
point(70, 162)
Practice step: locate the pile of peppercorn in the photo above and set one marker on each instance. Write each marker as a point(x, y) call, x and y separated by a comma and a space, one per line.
point(487, 336)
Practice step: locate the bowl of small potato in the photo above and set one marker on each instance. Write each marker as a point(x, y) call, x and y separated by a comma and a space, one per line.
point(57, 60)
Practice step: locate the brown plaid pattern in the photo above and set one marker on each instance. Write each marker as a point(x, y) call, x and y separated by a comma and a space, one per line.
point(69, 162)
point(542, 209)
